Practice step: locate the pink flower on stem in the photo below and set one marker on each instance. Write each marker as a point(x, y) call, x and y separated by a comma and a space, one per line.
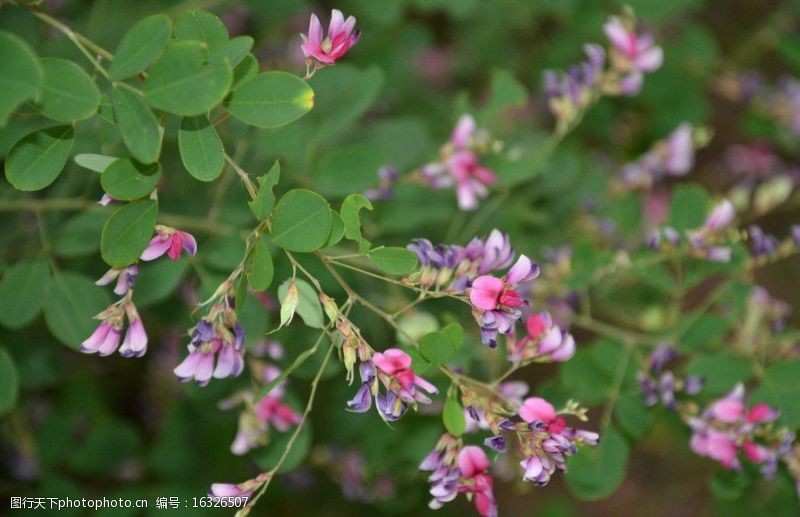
point(230, 490)
point(474, 467)
point(104, 340)
point(125, 278)
point(397, 364)
point(325, 49)
point(170, 241)
point(496, 301)
point(634, 54)
point(544, 341)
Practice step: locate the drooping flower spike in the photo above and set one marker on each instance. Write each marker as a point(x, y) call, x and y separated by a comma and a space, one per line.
point(322, 49)
point(170, 241)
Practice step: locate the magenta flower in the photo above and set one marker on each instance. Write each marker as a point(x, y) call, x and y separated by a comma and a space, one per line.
point(135, 342)
point(217, 346)
point(325, 49)
point(544, 341)
point(474, 467)
point(170, 241)
point(717, 445)
point(397, 364)
point(459, 165)
point(634, 54)
point(496, 301)
point(104, 340)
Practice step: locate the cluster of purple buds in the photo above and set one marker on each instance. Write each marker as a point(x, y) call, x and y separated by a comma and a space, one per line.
point(482, 413)
point(728, 427)
point(545, 440)
point(761, 243)
point(105, 340)
point(571, 92)
point(459, 164)
point(456, 469)
point(216, 348)
point(387, 177)
point(403, 388)
point(453, 267)
point(657, 383)
point(673, 156)
point(257, 417)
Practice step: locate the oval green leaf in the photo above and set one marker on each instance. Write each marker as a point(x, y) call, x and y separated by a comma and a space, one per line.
point(127, 179)
point(127, 233)
point(68, 93)
point(9, 383)
point(453, 417)
point(437, 347)
point(200, 147)
point(395, 261)
point(137, 125)
point(261, 268)
point(36, 161)
point(302, 221)
point(21, 74)
point(140, 46)
point(199, 25)
point(234, 50)
point(23, 291)
point(596, 472)
point(180, 82)
point(72, 301)
point(94, 162)
point(271, 99)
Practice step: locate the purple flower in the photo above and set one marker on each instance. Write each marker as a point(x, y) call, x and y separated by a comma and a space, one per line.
point(673, 156)
point(496, 443)
point(216, 348)
point(573, 89)
point(170, 241)
point(633, 54)
point(104, 340)
point(125, 278)
point(135, 342)
point(387, 176)
point(762, 243)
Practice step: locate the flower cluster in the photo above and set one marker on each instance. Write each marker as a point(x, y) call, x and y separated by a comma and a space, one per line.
point(704, 242)
point(106, 338)
point(544, 438)
point(322, 49)
point(544, 341)
point(216, 348)
point(727, 427)
point(673, 156)
point(658, 384)
point(457, 469)
point(258, 415)
point(403, 387)
point(459, 164)
point(631, 55)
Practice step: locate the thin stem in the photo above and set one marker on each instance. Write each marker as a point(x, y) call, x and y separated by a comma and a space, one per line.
point(248, 183)
point(625, 336)
point(616, 387)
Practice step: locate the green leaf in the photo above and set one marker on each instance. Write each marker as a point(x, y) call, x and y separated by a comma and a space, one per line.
point(780, 387)
point(21, 74)
point(265, 199)
point(271, 99)
point(127, 233)
point(689, 207)
point(201, 148)
point(80, 235)
point(453, 417)
point(346, 169)
point(633, 416)
point(720, 372)
point(140, 46)
point(308, 307)
point(729, 485)
point(234, 50)
point(9, 383)
point(437, 347)
point(180, 82)
point(596, 472)
point(158, 280)
point(351, 206)
point(337, 230)
point(704, 332)
point(395, 261)
point(127, 179)
point(137, 125)
point(506, 92)
point(455, 333)
point(199, 25)
point(68, 93)
point(94, 162)
point(261, 269)
point(23, 291)
point(302, 221)
point(72, 301)
point(245, 70)
point(36, 161)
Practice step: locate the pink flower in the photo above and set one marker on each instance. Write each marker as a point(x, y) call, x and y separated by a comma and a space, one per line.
point(229, 490)
point(325, 50)
point(716, 445)
point(170, 241)
point(721, 216)
point(730, 408)
point(474, 465)
point(638, 49)
point(544, 341)
point(488, 292)
point(537, 409)
point(103, 341)
point(471, 178)
point(396, 363)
